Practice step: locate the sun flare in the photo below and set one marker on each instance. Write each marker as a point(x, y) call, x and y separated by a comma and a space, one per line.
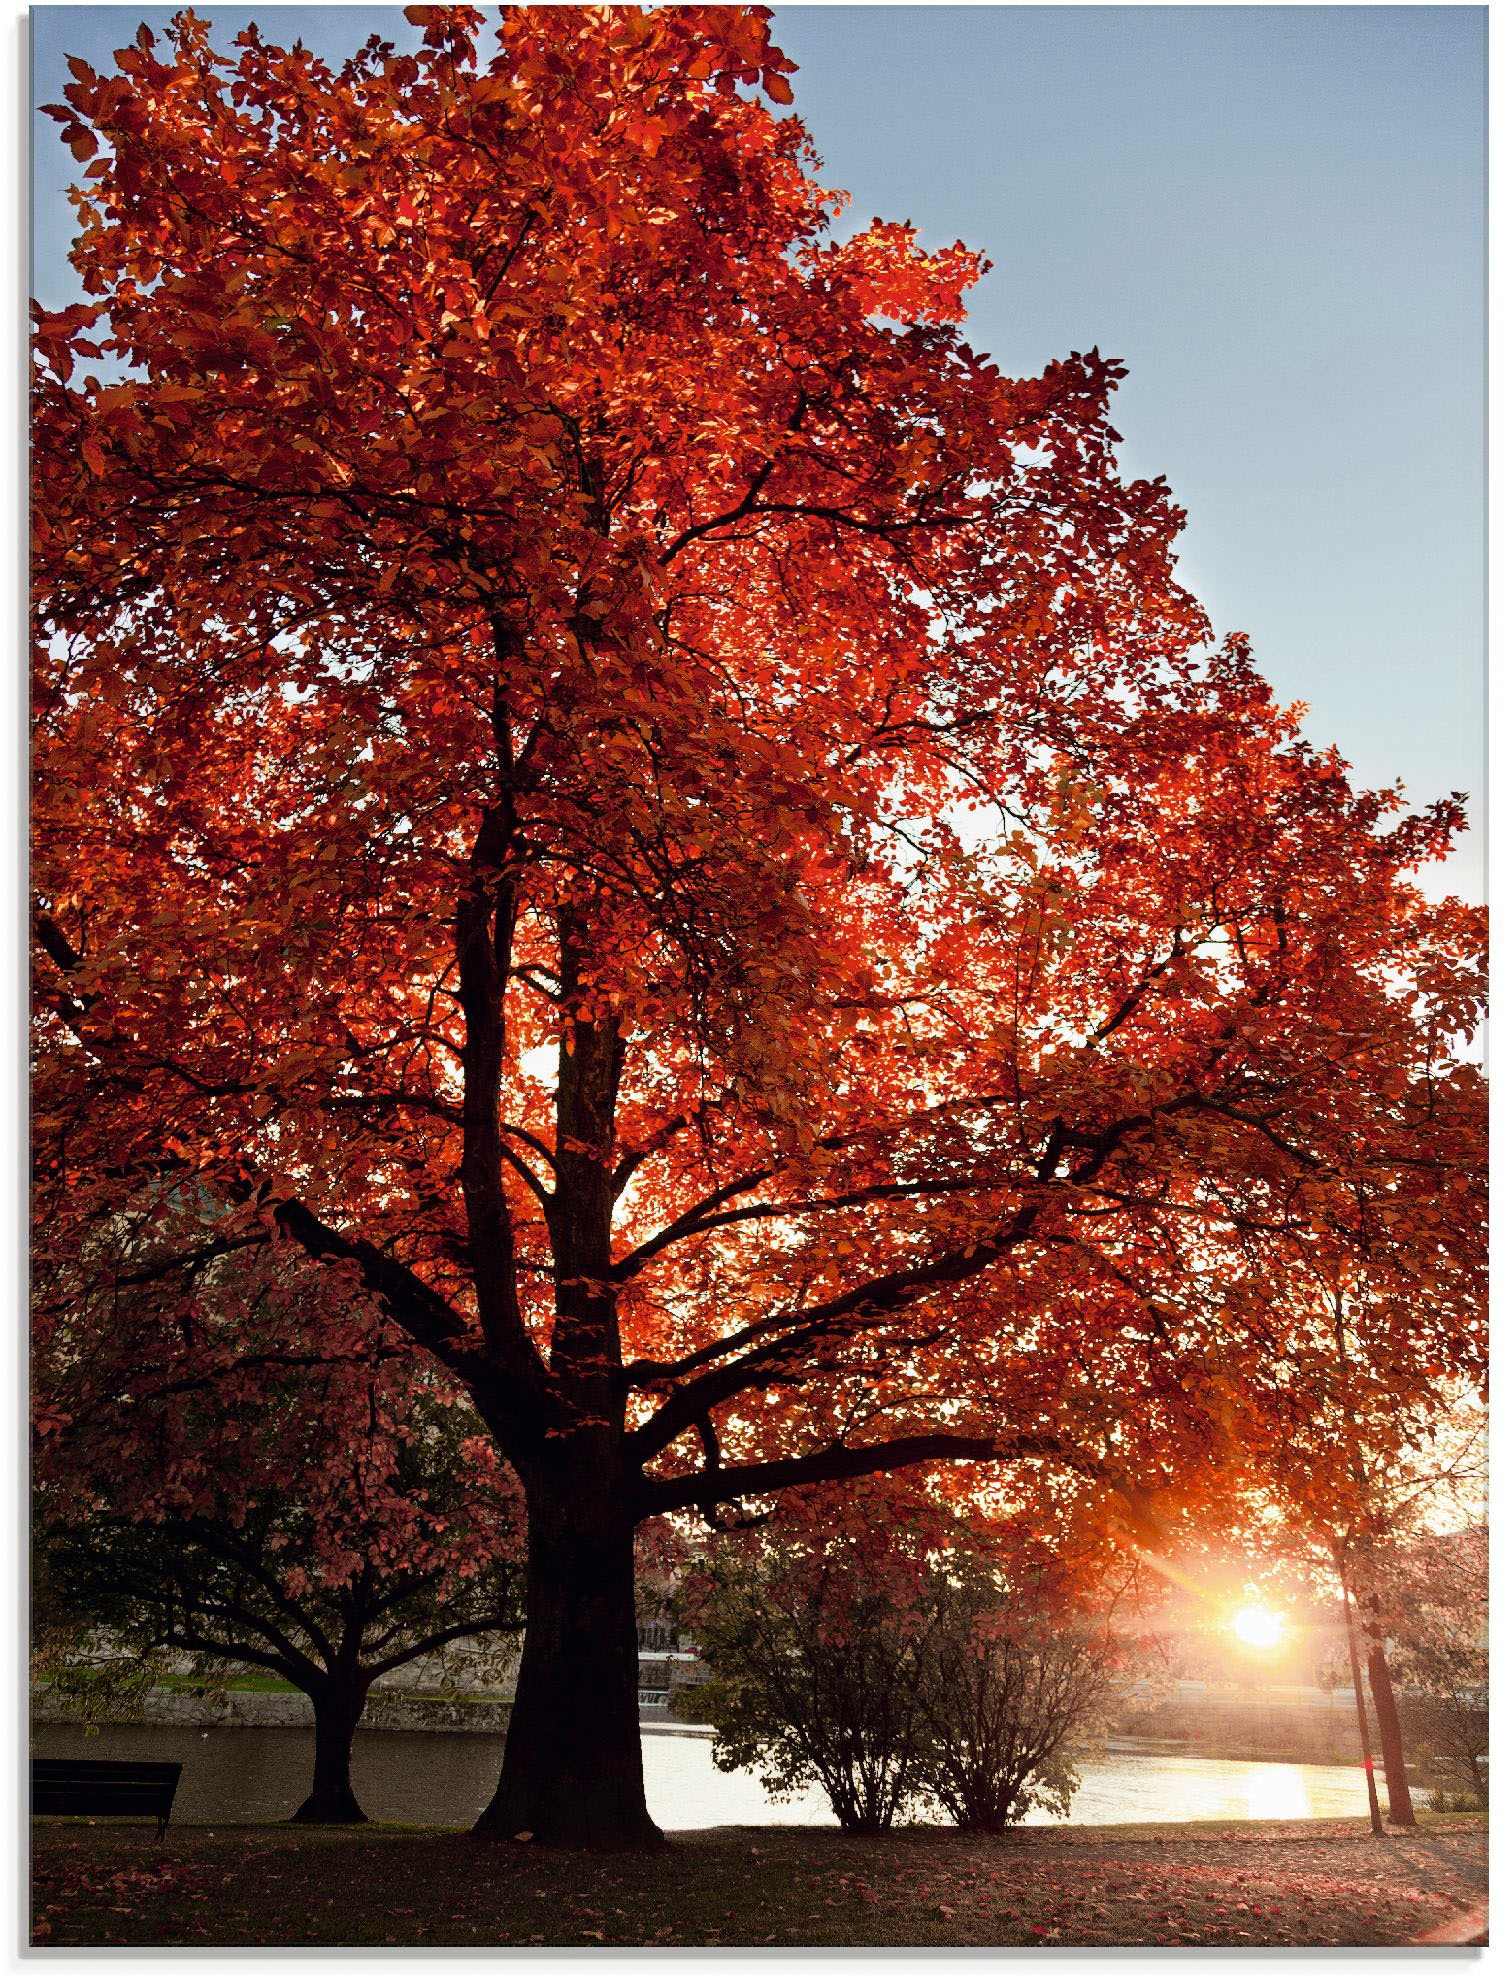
point(1257, 1626)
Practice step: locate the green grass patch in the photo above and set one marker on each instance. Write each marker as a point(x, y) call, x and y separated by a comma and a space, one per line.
point(256, 1684)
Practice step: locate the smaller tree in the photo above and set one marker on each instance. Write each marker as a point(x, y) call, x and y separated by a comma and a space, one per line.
point(326, 1509)
point(258, 1593)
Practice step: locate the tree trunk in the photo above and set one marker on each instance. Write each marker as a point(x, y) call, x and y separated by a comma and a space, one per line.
point(332, 1801)
point(572, 1773)
point(1391, 1742)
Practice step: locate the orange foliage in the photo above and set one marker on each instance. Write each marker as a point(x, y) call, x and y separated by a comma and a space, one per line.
point(524, 587)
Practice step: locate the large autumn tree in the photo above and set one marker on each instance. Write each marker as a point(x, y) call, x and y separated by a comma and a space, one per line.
point(600, 767)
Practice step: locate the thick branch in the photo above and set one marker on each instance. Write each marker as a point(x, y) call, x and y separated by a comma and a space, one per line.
point(629, 1163)
point(187, 1639)
point(696, 1222)
point(484, 928)
point(838, 1464)
point(240, 1557)
point(748, 503)
point(295, 1665)
point(689, 1223)
point(426, 1316)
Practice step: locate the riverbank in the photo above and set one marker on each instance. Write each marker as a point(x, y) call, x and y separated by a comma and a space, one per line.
point(239, 1775)
point(285, 1707)
point(1245, 1884)
point(1301, 1727)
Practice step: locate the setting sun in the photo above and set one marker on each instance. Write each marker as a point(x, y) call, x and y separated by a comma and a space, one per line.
point(1257, 1626)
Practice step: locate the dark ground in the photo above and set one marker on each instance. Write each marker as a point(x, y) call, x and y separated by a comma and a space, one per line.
point(1314, 1882)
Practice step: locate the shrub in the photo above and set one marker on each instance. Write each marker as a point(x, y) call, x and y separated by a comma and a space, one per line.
point(1011, 1689)
point(812, 1681)
point(895, 1666)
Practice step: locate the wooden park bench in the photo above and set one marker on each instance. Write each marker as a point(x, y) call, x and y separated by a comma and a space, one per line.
point(70, 1787)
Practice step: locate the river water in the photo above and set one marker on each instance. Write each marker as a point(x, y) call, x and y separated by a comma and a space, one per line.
point(445, 1778)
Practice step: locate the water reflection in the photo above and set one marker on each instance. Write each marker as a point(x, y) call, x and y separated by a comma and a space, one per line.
point(1282, 1793)
point(1135, 1784)
point(418, 1777)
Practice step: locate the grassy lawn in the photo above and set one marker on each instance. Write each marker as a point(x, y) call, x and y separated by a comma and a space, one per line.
point(1313, 1882)
point(256, 1684)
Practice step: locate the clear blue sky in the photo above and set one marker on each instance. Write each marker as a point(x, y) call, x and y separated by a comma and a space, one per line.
point(1273, 215)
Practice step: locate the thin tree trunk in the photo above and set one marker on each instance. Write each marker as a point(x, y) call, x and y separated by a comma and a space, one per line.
point(1391, 1740)
point(572, 1773)
point(1375, 1818)
point(332, 1801)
